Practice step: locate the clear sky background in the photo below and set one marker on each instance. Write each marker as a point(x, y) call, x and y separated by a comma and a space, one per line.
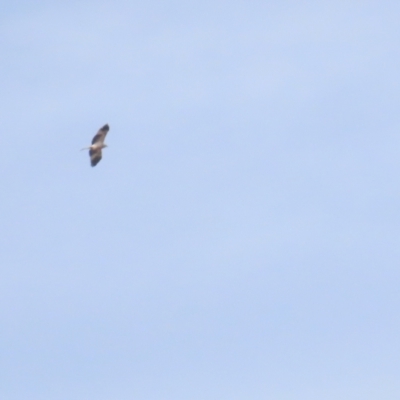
point(239, 240)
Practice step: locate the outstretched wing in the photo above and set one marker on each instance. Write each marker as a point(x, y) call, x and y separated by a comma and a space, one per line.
point(101, 135)
point(95, 156)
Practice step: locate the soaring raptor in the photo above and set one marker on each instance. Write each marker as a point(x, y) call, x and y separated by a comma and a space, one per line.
point(97, 145)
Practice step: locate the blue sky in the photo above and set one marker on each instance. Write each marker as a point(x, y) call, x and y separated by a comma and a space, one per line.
point(240, 238)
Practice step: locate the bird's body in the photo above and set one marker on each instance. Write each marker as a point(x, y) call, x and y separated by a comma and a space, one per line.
point(97, 145)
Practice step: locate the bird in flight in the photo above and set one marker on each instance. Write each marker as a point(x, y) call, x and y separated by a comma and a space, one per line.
point(97, 145)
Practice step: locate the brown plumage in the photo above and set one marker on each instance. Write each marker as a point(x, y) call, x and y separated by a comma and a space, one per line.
point(97, 145)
